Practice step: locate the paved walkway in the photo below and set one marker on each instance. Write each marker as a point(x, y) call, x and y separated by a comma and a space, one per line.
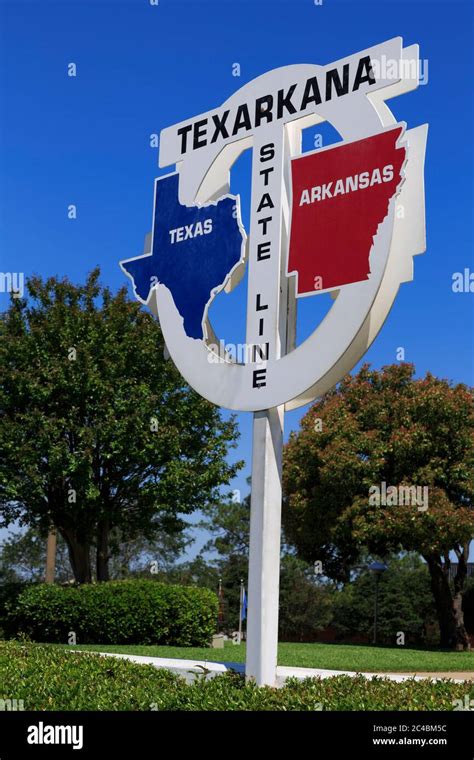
point(467, 675)
point(190, 668)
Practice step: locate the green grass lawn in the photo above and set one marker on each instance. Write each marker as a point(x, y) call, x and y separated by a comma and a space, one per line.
point(330, 656)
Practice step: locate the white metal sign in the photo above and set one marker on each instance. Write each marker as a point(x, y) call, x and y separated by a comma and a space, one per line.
point(345, 219)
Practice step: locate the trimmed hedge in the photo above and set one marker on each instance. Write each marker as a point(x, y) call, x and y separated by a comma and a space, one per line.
point(116, 612)
point(9, 593)
point(49, 678)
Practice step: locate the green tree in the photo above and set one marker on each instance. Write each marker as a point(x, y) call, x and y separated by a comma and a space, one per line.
point(228, 523)
point(23, 555)
point(226, 552)
point(376, 428)
point(145, 557)
point(405, 603)
point(305, 602)
point(98, 430)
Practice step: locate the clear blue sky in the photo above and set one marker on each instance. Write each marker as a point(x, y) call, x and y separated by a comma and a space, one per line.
point(140, 68)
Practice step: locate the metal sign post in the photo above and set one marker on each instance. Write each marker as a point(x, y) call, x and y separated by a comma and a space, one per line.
point(268, 315)
point(264, 553)
point(345, 219)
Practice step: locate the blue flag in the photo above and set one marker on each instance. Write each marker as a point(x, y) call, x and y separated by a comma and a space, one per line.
point(244, 604)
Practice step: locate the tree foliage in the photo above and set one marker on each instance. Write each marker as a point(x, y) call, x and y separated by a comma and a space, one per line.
point(405, 604)
point(23, 555)
point(98, 430)
point(305, 602)
point(388, 428)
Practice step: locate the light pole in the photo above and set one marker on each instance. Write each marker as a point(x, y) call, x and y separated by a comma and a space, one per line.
point(378, 568)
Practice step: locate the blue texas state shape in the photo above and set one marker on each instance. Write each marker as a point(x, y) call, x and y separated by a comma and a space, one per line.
point(194, 249)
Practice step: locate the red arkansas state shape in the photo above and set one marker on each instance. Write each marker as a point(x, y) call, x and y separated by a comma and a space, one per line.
point(340, 196)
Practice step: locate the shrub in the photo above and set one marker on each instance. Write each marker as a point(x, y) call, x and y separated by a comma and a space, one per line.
point(117, 612)
point(9, 593)
point(49, 678)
